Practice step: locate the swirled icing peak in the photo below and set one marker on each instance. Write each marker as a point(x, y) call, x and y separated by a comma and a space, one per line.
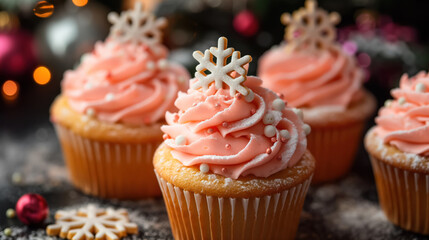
point(404, 121)
point(124, 79)
point(311, 69)
point(235, 135)
point(331, 78)
point(310, 29)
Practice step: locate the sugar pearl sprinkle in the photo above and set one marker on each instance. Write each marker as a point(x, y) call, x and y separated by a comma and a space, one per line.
point(162, 64)
point(268, 118)
point(307, 129)
point(225, 124)
point(388, 103)
point(90, 112)
point(420, 87)
point(401, 101)
point(270, 131)
point(279, 104)
point(228, 146)
point(250, 96)
point(180, 140)
point(238, 95)
point(298, 112)
point(88, 86)
point(150, 65)
point(109, 97)
point(210, 131)
point(285, 134)
point(204, 168)
point(268, 151)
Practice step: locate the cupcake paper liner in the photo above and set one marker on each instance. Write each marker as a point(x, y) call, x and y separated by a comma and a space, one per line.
point(334, 149)
point(199, 216)
point(403, 196)
point(109, 170)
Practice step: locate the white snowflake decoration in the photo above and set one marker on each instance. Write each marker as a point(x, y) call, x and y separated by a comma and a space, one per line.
point(310, 28)
point(136, 26)
point(92, 223)
point(232, 74)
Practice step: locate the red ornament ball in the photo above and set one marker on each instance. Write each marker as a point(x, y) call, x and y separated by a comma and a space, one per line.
point(246, 23)
point(32, 209)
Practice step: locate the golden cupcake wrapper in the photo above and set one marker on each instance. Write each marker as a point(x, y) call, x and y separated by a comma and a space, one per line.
point(109, 170)
point(199, 216)
point(403, 196)
point(334, 149)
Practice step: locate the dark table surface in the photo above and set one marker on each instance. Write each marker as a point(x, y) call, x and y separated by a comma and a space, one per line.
point(347, 209)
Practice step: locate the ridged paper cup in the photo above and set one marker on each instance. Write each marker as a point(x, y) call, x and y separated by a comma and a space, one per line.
point(334, 149)
point(402, 184)
point(108, 160)
point(209, 206)
point(336, 136)
point(109, 170)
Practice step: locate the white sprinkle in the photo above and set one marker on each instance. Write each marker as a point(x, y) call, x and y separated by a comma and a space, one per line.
point(162, 64)
point(420, 87)
point(87, 86)
point(279, 104)
point(298, 112)
point(109, 97)
point(90, 112)
point(150, 65)
point(388, 103)
point(401, 101)
point(181, 79)
point(270, 131)
point(204, 168)
point(84, 57)
point(307, 129)
point(285, 134)
point(250, 96)
point(180, 140)
point(268, 118)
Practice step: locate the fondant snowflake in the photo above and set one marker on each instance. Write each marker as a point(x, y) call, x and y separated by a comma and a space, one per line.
point(136, 26)
point(92, 223)
point(232, 74)
point(310, 28)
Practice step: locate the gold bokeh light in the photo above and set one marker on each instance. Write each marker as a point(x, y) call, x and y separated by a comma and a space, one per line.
point(43, 9)
point(10, 89)
point(42, 75)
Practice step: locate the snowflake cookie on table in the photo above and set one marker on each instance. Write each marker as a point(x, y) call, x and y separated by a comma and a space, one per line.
point(92, 223)
point(136, 26)
point(310, 28)
point(232, 73)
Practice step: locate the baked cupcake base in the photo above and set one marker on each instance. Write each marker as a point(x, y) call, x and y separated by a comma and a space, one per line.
point(402, 183)
point(209, 206)
point(107, 160)
point(336, 136)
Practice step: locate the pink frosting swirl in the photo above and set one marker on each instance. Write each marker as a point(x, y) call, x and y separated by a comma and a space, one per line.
point(228, 133)
point(403, 122)
point(328, 78)
point(124, 82)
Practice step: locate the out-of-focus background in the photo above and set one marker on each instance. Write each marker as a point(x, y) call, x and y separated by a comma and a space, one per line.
point(39, 40)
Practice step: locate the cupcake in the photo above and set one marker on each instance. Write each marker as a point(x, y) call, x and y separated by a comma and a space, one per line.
point(234, 163)
point(399, 150)
point(109, 113)
point(324, 83)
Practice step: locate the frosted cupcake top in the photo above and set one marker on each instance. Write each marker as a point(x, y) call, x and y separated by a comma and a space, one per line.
point(228, 124)
point(312, 69)
point(127, 78)
point(403, 121)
